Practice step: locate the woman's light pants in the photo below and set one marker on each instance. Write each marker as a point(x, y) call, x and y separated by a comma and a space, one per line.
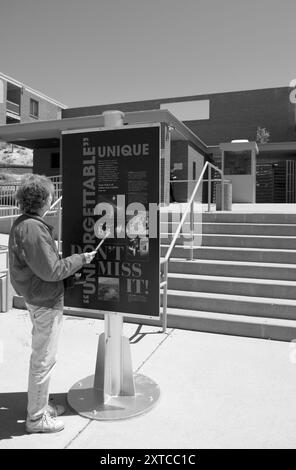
point(47, 323)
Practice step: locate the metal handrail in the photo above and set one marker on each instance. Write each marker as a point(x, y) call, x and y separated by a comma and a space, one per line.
point(189, 204)
point(54, 204)
point(9, 188)
point(58, 202)
point(166, 259)
point(15, 108)
point(5, 271)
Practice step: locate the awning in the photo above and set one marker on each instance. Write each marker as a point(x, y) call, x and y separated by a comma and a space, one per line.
point(47, 133)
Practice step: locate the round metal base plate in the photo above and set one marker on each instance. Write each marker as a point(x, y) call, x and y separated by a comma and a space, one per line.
point(88, 402)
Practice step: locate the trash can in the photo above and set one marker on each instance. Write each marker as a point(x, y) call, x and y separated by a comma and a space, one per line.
point(227, 196)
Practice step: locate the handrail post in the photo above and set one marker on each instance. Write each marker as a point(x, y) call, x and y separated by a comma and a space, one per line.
point(7, 283)
point(191, 228)
point(60, 226)
point(165, 298)
point(222, 191)
point(209, 187)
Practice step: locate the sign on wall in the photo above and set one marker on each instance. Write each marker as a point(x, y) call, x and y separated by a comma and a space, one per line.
point(111, 189)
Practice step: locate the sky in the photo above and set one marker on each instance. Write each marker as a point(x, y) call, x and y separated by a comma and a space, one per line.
point(87, 52)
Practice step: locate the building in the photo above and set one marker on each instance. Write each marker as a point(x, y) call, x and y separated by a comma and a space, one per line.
point(265, 116)
point(20, 103)
point(222, 117)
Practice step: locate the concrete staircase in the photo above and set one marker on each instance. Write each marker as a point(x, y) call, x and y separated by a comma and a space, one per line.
point(242, 280)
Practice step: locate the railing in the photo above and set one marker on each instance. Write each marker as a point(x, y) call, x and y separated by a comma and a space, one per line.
point(57, 182)
point(189, 208)
point(7, 193)
point(8, 205)
point(13, 107)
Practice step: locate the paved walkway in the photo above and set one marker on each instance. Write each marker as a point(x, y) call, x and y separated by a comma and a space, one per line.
point(216, 391)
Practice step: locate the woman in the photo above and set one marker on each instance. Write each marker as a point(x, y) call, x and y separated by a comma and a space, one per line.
point(37, 273)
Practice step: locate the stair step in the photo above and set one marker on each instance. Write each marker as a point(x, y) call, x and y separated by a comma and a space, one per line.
point(250, 229)
point(234, 269)
point(233, 286)
point(250, 217)
point(212, 322)
point(233, 253)
point(239, 241)
point(233, 304)
point(233, 228)
point(230, 324)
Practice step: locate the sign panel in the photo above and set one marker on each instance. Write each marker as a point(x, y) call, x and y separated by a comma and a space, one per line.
point(111, 191)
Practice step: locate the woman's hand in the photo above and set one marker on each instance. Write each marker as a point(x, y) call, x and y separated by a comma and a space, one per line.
point(89, 256)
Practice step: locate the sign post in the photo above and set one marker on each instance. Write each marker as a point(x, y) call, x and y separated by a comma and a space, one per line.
point(117, 167)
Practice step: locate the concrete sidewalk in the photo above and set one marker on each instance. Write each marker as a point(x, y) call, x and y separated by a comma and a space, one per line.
point(216, 391)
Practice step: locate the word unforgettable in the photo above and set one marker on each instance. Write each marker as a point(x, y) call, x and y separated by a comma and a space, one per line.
point(134, 150)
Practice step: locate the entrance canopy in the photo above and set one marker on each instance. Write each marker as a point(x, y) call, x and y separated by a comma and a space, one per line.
point(47, 133)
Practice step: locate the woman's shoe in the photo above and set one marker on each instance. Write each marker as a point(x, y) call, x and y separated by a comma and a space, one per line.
point(45, 424)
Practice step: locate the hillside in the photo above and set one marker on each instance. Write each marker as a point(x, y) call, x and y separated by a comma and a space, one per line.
point(10, 157)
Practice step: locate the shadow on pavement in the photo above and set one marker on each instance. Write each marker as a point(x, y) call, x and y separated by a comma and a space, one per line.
point(138, 336)
point(13, 412)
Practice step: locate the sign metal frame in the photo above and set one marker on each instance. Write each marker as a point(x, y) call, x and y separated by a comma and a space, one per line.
point(76, 310)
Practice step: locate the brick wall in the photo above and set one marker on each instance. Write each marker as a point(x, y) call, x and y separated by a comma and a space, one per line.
point(237, 115)
point(234, 115)
point(47, 110)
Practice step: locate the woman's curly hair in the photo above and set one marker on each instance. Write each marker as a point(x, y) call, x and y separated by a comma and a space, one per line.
point(33, 192)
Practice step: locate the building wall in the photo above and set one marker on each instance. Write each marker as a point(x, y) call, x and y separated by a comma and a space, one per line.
point(47, 110)
point(99, 109)
point(237, 116)
point(179, 159)
point(182, 158)
point(233, 115)
point(195, 159)
point(42, 161)
point(3, 92)
point(274, 157)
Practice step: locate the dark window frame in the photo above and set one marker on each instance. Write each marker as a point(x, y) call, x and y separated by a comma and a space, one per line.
point(55, 160)
point(34, 108)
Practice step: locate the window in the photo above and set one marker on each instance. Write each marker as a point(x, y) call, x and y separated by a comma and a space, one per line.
point(194, 171)
point(55, 160)
point(34, 108)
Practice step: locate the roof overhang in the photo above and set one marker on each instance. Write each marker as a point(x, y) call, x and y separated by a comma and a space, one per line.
point(277, 147)
point(284, 147)
point(32, 134)
point(238, 146)
point(20, 85)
